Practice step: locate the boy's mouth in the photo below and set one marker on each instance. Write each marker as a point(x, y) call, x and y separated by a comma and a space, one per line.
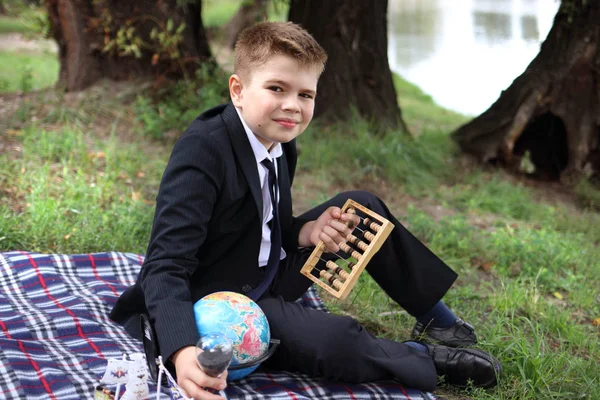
point(286, 122)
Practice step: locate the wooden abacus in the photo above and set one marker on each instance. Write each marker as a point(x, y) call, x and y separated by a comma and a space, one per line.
point(339, 278)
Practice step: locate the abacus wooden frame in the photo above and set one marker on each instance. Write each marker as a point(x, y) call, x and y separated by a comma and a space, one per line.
point(373, 247)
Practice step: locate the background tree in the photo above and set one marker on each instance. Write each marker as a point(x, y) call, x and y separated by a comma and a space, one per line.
point(121, 40)
point(2, 8)
point(249, 13)
point(551, 111)
point(354, 34)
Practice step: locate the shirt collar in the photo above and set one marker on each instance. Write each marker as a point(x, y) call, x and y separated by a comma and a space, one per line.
point(259, 150)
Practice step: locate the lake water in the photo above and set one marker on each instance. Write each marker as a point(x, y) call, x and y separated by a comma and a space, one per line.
point(465, 52)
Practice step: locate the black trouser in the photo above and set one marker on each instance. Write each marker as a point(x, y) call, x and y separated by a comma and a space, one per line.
point(338, 348)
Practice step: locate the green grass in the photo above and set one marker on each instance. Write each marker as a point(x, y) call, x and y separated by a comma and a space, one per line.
point(13, 25)
point(416, 164)
point(22, 18)
point(216, 13)
point(26, 71)
point(77, 196)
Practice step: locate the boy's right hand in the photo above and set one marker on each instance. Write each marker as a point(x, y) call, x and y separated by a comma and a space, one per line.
point(192, 379)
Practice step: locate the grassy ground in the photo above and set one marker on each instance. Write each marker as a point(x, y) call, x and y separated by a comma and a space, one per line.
point(10, 24)
point(20, 18)
point(26, 62)
point(26, 70)
point(79, 174)
point(216, 13)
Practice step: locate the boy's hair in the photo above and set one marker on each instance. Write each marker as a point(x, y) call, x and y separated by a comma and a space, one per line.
point(258, 43)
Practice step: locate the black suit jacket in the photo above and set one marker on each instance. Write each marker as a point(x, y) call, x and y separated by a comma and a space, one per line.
point(207, 228)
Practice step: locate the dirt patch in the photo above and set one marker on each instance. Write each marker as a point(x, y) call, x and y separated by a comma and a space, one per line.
point(19, 42)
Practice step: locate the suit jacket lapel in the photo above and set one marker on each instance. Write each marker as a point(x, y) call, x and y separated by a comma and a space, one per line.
point(243, 151)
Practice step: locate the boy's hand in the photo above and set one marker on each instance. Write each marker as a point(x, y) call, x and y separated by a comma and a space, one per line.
point(192, 379)
point(331, 227)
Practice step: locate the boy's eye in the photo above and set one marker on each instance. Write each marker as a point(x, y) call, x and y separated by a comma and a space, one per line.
point(306, 95)
point(275, 88)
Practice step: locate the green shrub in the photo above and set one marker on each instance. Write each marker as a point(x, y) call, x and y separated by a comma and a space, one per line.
point(175, 107)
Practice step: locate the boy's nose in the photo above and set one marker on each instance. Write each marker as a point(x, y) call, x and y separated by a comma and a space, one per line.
point(291, 104)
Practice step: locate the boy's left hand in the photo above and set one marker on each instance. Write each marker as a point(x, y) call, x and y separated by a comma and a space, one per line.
point(332, 227)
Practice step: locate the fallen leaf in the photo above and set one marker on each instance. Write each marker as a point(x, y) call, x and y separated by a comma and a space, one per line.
point(136, 196)
point(486, 266)
point(141, 174)
point(596, 322)
point(96, 154)
point(558, 295)
point(14, 132)
point(482, 264)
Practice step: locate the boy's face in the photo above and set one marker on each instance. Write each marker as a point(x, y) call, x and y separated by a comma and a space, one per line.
point(276, 100)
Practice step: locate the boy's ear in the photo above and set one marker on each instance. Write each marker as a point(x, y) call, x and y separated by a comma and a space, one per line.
point(235, 90)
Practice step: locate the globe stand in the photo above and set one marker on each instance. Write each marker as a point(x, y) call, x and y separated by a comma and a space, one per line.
point(274, 343)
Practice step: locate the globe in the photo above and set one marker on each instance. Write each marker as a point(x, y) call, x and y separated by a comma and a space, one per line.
point(239, 319)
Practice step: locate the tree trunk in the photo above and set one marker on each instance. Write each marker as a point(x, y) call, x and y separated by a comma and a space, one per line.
point(354, 34)
point(249, 13)
point(552, 111)
point(2, 8)
point(83, 28)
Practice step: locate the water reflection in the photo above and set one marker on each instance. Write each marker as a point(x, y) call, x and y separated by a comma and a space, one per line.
point(529, 28)
point(414, 31)
point(465, 52)
point(491, 28)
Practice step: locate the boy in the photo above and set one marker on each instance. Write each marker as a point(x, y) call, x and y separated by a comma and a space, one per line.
point(224, 222)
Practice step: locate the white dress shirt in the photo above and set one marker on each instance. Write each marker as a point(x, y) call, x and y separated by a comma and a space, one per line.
point(260, 153)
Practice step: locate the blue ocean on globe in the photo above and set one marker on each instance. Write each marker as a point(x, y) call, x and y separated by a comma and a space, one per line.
point(241, 320)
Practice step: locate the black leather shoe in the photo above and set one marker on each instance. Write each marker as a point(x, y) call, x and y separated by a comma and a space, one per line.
point(461, 334)
point(461, 366)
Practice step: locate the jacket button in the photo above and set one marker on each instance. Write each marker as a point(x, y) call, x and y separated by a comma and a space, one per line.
point(246, 288)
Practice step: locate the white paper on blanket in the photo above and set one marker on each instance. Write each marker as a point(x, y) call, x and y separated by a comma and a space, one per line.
point(138, 369)
point(136, 387)
point(117, 371)
point(136, 390)
point(132, 371)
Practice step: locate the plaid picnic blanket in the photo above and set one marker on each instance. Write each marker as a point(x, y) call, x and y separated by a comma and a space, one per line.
point(56, 337)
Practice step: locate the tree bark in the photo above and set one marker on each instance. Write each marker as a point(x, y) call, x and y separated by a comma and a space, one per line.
point(249, 13)
point(2, 8)
point(82, 28)
point(354, 34)
point(551, 111)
